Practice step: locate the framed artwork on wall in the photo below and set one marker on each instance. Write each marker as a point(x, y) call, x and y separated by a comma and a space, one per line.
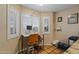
point(73, 19)
point(59, 19)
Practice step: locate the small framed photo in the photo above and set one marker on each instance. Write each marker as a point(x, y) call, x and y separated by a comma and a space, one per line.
point(73, 19)
point(59, 19)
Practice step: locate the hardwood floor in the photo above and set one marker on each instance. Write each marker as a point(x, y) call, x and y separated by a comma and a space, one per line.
point(50, 50)
point(47, 50)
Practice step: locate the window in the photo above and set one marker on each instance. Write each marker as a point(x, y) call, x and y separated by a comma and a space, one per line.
point(26, 24)
point(36, 24)
point(46, 24)
point(30, 24)
point(13, 23)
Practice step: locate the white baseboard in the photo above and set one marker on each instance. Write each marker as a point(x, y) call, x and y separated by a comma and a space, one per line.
point(6, 52)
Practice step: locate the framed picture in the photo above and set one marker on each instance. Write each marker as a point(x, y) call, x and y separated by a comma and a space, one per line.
point(73, 19)
point(59, 19)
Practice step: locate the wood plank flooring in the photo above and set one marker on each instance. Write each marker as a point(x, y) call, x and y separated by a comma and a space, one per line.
point(50, 50)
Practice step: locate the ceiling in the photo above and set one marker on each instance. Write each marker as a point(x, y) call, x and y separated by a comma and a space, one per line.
point(49, 7)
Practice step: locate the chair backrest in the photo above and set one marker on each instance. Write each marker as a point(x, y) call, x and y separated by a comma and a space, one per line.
point(33, 39)
point(30, 40)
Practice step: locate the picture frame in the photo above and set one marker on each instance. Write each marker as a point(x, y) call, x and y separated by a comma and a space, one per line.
point(59, 19)
point(73, 19)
